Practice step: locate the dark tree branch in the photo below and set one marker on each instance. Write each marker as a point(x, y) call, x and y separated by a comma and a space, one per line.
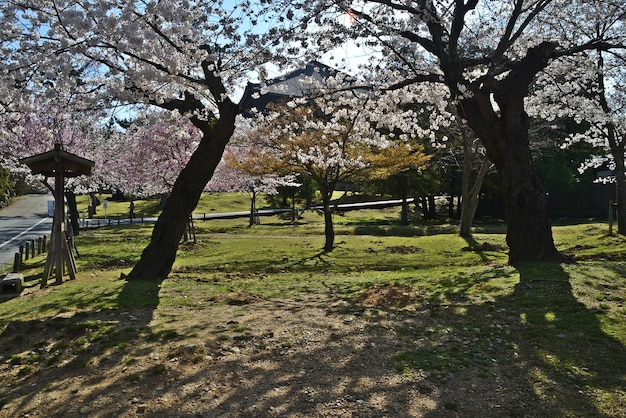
point(509, 37)
point(424, 78)
point(458, 23)
point(597, 45)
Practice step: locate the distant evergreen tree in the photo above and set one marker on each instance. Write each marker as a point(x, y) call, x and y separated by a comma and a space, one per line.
point(5, 186)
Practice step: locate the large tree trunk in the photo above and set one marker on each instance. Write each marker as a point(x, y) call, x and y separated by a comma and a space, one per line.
point(504, 133)
point(158, 257)
point(529, 233)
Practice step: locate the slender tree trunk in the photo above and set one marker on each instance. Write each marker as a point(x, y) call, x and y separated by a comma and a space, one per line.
point(329, 230)
point(158, 257)
point(427, 206)
point(404, 214)
point(617, 149)
point(252, 209)
point(471, 197)
point(621, 203)
point(70, 199)
point(420, 204)
point(432, 207)
point(617, 143)
point(467, 187)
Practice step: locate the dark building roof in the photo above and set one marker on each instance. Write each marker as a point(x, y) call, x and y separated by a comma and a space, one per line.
point(298, 83)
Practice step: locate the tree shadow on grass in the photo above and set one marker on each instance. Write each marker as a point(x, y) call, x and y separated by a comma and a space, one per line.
point(538, 350)
point(533, 350)
point(572, 363)
point(473, 245)
point(76, 334)
point(313, 263)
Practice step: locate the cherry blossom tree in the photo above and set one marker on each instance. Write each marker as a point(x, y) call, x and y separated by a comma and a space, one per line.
point(27, 129)
point(239, 172)
point(611, 125)
point(155, 148)
point(591, 92)
point(331, 138)
point(184, 56)
point(488, 54)
point(329, 126)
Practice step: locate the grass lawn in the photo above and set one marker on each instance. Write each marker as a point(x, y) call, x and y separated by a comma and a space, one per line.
point(448, 331)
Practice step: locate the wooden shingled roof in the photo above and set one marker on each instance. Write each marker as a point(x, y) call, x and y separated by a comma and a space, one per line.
point(298, 83)
point(47, 162)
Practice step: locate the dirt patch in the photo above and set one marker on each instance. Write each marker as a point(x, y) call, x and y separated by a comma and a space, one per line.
point(237, 298)
point(601, 256)
point(390, 295)
point(239, 355)
point(404, 249)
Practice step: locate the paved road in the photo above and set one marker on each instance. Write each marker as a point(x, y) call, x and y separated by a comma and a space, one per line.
point(25, 219)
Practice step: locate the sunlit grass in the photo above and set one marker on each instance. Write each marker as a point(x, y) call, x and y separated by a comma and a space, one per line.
point(562, 325)
point(150, 207)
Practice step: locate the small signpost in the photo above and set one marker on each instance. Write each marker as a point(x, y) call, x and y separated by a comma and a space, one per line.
point(60, 165)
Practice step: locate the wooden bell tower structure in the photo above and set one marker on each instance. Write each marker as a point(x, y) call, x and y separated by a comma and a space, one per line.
point(60, 165)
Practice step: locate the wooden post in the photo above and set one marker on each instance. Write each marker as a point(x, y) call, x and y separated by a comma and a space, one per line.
point(60, 255)
point(44, 244)
point(32, 248)
point(59, 213)
point(17, 262)
point(39, 245)
point(26, 250)
point(59, 164)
